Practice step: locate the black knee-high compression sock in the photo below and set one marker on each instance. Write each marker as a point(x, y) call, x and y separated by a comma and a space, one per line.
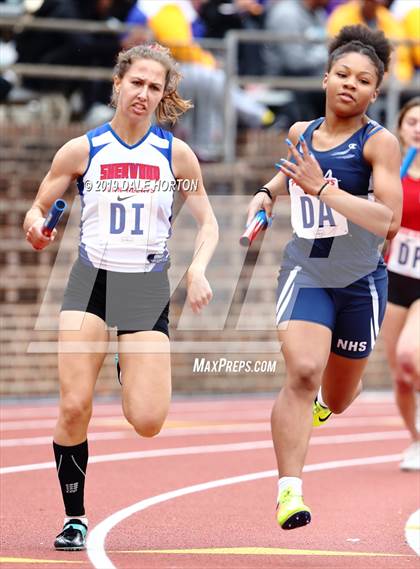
point(71, 464)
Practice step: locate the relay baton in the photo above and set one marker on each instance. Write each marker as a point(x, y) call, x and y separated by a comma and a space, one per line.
point(260, 222)
point(408, 159)
point(53, 217)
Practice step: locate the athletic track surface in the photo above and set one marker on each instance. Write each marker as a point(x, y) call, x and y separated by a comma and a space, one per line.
point(202, 493)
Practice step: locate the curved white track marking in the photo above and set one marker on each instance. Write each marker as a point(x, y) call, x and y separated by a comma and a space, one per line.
point(207, 449)
point(97, 536)
point(412, 531)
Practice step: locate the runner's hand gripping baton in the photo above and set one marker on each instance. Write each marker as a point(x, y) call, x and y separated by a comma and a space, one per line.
point(408, 159)
point(259, 223)
point(53, 217)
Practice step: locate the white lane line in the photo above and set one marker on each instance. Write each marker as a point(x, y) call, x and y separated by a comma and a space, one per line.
point(208, 449)
point(113, 420)
point(130, 433)
point(15, 422)
point(254, 407)
point(188, 405)
point(412, 531)
point(180, 431)
point(37, 441)
point(97, 536)
point(337, 422)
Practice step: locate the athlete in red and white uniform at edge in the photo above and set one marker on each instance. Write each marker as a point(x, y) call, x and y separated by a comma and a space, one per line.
point(401, 329)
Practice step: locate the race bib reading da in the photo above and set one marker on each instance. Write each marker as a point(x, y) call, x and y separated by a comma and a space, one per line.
point(404, 257)
point(128, 217)
point(312, 218)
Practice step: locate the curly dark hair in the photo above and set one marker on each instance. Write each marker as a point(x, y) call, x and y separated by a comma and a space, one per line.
point(361, 39)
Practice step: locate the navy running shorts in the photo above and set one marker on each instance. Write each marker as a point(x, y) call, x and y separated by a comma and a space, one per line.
point(354, 313)
point(133, 302)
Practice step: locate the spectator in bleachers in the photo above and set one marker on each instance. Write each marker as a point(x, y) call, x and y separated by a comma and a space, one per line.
point(220, 16)
point(74, 48)
point(8, 57)
point(50, 47)
point(408, 14)
point(97, 50)
point(306, 19)
point(171, 23)
point(374, 14)
point(332, 5)
point(399, 8)
point(203, 81)
point(5, 87)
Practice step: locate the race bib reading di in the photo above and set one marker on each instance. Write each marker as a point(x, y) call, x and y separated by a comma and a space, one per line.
point(404, 257)
point(128, 217)
point(312, 218)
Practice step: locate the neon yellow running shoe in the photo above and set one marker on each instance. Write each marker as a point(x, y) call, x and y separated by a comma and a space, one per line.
point(319, 413)
point(291, 511)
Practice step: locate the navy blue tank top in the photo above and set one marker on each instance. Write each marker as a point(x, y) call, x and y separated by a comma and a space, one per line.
point(326, 245)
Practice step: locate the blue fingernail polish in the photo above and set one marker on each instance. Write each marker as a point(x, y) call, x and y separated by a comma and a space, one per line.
point(288, 142)
point(278, 165)
point(301, 138)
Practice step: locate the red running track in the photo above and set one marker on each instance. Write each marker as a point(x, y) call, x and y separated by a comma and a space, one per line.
point(183, 500)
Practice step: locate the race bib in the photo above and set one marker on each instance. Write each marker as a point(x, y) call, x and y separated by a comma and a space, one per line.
point(312, 218)
point(128, 217)
point(404, 257)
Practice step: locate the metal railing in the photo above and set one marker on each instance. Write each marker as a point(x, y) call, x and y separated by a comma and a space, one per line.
point(228, 48)
point(391, 86)
point(67, 25)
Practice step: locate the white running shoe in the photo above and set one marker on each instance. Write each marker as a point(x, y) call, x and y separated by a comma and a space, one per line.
point(411, 457)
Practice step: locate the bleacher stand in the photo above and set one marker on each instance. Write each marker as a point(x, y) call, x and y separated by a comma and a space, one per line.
point(375, 15)
point(218, 17)
point(203, 78)
point(408, 14)
point(77, 48)
point(40, 123)
point(304, 18)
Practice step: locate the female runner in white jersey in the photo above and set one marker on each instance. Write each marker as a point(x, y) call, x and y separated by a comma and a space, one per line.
point(343, 180)
point(123, 171)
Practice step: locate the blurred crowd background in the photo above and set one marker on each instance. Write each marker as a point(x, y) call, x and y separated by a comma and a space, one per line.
point(251, 68)
point(196, 30)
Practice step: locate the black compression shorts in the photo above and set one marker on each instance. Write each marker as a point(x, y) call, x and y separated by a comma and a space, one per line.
point(402, 290)
point(132, 302)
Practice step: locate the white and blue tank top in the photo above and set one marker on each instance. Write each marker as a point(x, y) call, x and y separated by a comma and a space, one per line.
point(127, 195)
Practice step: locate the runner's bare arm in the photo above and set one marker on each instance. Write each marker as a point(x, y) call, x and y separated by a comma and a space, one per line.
point(186, 167)
point(69, 162)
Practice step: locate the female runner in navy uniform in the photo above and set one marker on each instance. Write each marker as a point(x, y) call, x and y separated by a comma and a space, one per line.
point(401, 329)
point(343, 180)
point(126, 172)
